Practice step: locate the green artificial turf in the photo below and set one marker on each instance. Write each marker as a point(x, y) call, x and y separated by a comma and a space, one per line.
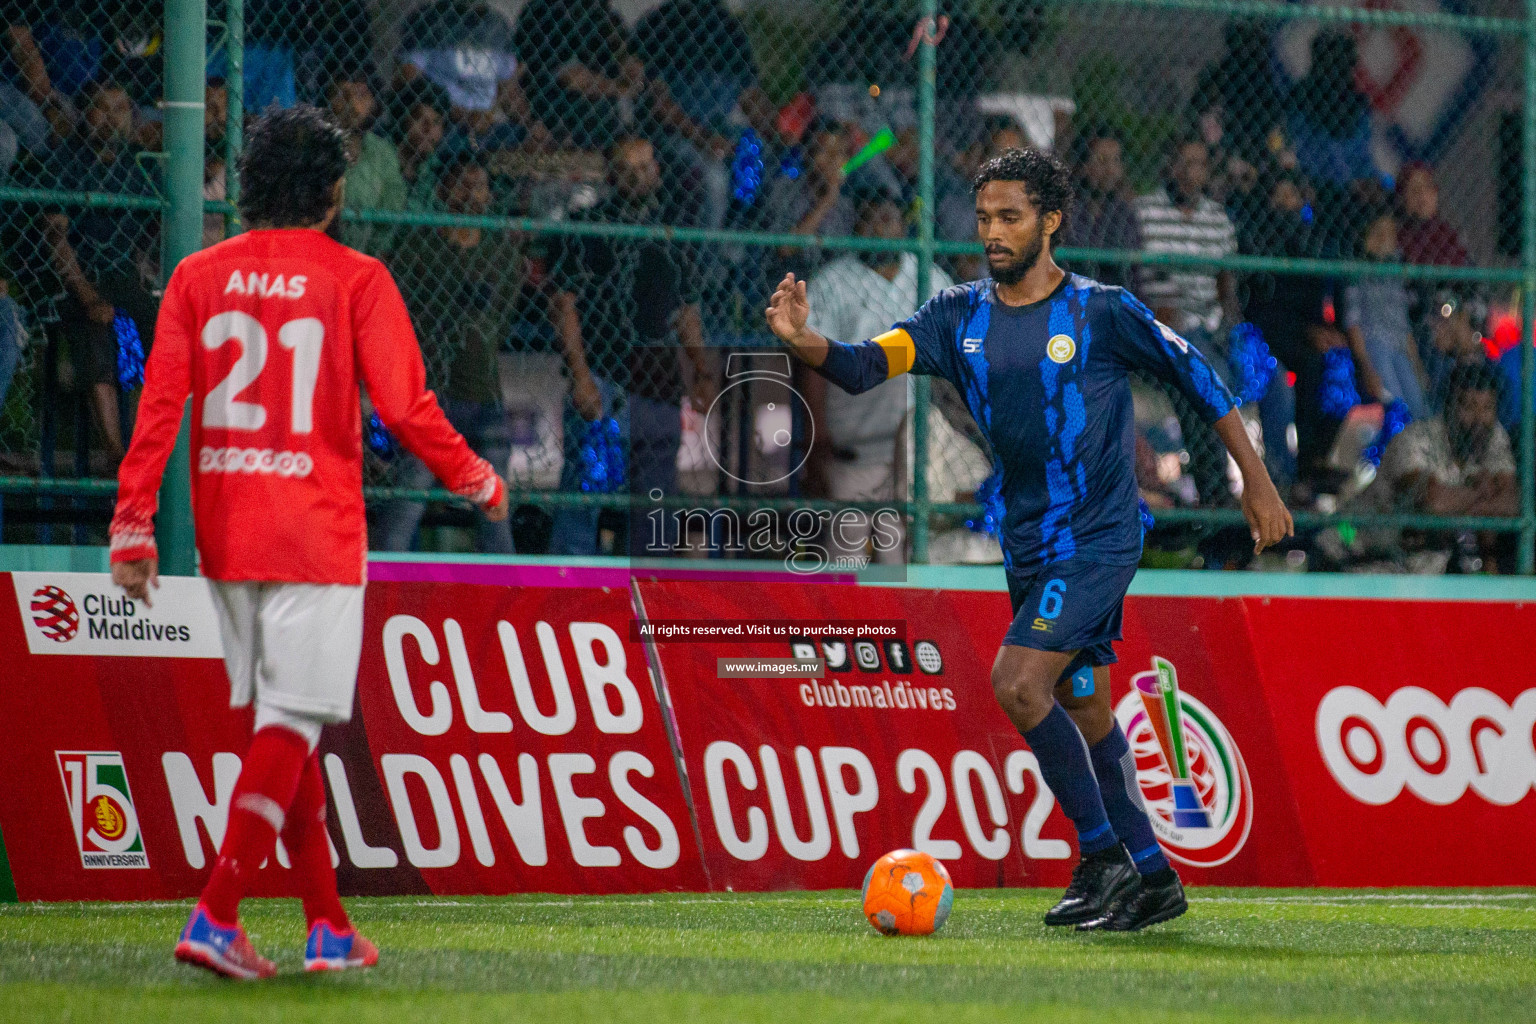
point(1253, 956)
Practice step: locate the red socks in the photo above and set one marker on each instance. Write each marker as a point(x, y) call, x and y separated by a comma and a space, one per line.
point(304, 836)
point(257, 812)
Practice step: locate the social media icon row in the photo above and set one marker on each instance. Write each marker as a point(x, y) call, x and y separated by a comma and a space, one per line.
point(866, 655)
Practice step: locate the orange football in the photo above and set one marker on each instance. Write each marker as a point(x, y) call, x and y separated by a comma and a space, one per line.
point(907, 893)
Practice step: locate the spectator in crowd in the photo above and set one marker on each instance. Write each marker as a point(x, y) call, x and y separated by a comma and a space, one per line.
point(814, 202)
point(954, 204)
point(857, 452)
point(1457, 317)
point(419, 119)
point(1181, 218)
point(465, 48)
point(1002, 132)
point(215, 112)
point(1330, 127)
point(1423, 235)
point(1376, 318)
point(1102, 217)
point(31, 112)
point(698, 68)
point(996, 133)
point(461, 286)
point(1291, 312)
point(69, 36)
point(622, 310)
point(274, 29)
point(13, 335)
point(583, 78)
point(1237, 107)
point(1459, 463)
point(215, 185)
point(373, 180)
point(102, 256)
point(1509, 396)
point(132, 53)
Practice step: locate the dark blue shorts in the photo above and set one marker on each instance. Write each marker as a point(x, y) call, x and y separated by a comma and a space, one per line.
point(1070, 606)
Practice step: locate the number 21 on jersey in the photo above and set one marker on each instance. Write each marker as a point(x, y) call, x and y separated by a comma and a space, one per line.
point(302, 337)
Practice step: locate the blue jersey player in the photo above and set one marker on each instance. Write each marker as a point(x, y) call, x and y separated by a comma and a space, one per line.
point(1044, 358)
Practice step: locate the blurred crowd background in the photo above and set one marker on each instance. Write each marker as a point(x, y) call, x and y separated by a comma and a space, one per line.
point(631, 364)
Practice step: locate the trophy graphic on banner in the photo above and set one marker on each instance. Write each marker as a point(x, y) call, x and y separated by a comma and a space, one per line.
point(1159, 692)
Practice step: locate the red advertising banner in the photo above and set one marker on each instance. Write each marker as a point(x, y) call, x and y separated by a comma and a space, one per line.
point(1407, 731)
point(505, 740)
point(511, 739)
point(519, 741)
point(799, 783)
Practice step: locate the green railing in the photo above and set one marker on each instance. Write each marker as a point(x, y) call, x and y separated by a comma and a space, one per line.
point(183, 207)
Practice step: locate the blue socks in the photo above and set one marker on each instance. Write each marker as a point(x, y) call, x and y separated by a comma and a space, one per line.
point(1068, 771)
point(1116, 771)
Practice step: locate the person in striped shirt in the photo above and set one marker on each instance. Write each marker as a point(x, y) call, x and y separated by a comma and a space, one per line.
point(1180, 218)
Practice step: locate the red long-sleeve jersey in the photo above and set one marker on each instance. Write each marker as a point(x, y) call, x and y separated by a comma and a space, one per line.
point(270, 334)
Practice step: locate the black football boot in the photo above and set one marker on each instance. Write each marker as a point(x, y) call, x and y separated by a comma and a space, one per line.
point(1147, 904)
point(1098, 880)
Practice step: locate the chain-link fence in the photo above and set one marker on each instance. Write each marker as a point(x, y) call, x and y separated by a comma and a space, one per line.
point(586, 205)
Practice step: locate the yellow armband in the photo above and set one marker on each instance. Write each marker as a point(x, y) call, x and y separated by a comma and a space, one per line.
point(900, 352)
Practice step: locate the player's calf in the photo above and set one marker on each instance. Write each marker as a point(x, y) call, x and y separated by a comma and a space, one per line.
point(1023, 679)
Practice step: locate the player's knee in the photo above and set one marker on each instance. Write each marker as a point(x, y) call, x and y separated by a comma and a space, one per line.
point(1018, 693)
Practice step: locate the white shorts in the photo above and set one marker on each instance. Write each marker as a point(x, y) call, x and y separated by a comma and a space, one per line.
point(293, 647)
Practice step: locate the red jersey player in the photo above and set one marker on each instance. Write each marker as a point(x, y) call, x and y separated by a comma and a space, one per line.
point(270, 334)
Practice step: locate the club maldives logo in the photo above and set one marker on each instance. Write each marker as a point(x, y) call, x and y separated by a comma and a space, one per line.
point(1191, 774)
point(55, 613)
point(101, 809)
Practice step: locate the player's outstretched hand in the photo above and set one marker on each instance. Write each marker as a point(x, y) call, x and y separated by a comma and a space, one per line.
point(1269, 521)
point(137, 577)
point(788, 309)
point(498, 512)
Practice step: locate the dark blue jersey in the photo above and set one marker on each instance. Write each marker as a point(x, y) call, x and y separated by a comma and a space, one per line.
point(1049, 385)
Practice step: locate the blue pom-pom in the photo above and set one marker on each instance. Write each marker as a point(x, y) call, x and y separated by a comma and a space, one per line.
point(747, 167)
point(1338, 393)
point(378, 438)
point(1253, 367)
point(602, 457)
point(130, 351)
point(1395, 417)
point(1147, 522)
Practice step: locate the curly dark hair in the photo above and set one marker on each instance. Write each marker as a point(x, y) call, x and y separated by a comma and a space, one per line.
point(1479, 376)
point(289, 169)
point(1046, 180)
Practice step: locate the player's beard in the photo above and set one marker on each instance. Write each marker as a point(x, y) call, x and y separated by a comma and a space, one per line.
point(1013, 271)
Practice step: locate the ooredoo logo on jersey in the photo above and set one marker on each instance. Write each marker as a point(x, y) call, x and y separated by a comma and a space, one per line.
point(84, 613)
point(101, 809)
point(1192, 775)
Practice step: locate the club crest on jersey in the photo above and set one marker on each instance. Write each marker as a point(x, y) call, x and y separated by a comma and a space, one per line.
point(1061, 348)
point(265, 285)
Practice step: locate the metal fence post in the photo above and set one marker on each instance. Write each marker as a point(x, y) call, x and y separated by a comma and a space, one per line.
point(234, 128)
point(926, 77)
point(182, 230)
point(1528, 301)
